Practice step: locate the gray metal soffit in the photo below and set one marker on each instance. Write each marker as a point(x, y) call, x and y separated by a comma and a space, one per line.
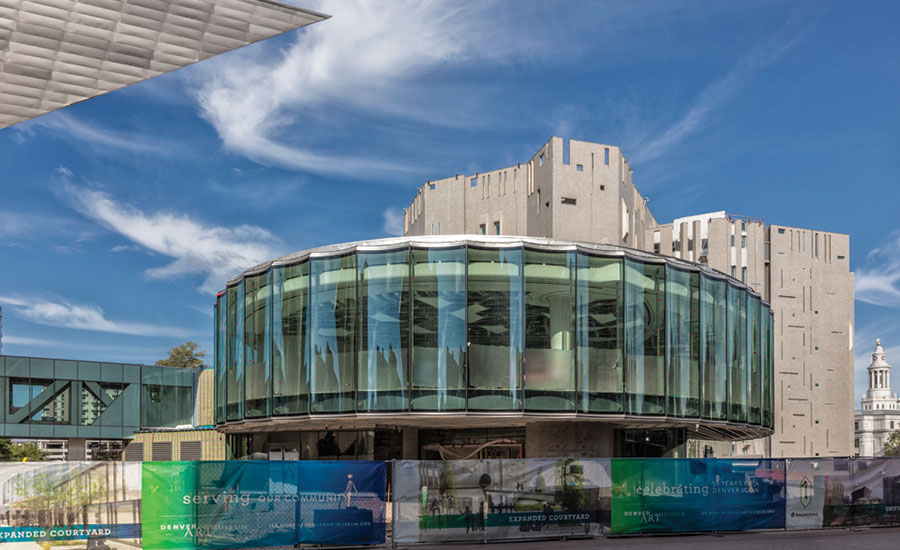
point(54, 53)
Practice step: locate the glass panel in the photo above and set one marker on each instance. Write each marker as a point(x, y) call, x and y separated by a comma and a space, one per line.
point(19, 394)
point(644, 338)
point(57, 410)
point(714, 351)
point(439, 329)
point(764, 364)
point(737, 337)
point(290, 386)
point(549, 331)
point(383, 331)
point(221, 369)
point(151, 397)
point(257, 349)
point(682, 325)
point(495, 329)
point(599, 310)
point(771, 352)
point(235, 379)
point(92, 406)
point(333, 334)
point(754, 379)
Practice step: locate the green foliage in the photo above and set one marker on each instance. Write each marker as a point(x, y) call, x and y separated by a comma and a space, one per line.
point(17, 452)
point(187, 355)
point(892, 446)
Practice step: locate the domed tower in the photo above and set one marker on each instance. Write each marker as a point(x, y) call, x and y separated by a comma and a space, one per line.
point(878, 396)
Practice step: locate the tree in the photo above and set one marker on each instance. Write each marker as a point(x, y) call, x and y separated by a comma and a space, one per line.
point(892, 445)
point(17, 452)
point(188, 355)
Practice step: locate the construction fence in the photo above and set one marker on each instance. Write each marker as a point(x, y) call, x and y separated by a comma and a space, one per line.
point(257, 504)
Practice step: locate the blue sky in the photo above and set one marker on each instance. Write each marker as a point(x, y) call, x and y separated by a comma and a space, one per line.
point(121, 216)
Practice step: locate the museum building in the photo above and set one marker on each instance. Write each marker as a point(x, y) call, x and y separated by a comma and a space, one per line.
point(487, 346)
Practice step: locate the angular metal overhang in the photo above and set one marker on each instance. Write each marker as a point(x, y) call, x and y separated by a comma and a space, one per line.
point(54, 53)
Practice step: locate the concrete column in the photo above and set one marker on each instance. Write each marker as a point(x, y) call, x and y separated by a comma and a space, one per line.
point(570, 439)
point(411, 443)
point(76, 449)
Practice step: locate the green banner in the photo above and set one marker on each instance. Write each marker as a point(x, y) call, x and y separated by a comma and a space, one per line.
point(167, 508)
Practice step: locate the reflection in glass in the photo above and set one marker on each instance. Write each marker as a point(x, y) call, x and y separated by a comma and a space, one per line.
point(333, 334)
point(256, 345)
point(770, 387)
point(96, 398)
point(383, 330)
point(234, 408)
point(549, 372)
point(290, 360)
point(495, 329)
point(754, 378)
point(682, 329)
point(221, 338)
point(599, 309)
point(439, 329)
point(737, 344)
point(644, 338)
point(713, 347)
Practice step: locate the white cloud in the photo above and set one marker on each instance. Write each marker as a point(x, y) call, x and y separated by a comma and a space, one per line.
point(215, 252)
point(878, 282)
point(63, 171)
point(104, 139)
point(366, 56)
point(61, 313)
point(393, 222)
point(715, 95)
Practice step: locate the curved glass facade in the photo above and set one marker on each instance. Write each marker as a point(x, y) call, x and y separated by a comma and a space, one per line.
point(512, 326)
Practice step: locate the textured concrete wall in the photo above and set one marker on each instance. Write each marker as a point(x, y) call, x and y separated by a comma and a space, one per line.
point(580, 198)
point(569, 438)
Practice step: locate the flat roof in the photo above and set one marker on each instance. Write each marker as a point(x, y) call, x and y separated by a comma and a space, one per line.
point(54, 53)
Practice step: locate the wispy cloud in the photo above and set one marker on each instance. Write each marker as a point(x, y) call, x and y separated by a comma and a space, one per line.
point(878, 282)
point(393, 222)
point(215, 252)
point(364, 58)
point(101, 138)
point(17, 227)
point(65, 314)
point(716, 95)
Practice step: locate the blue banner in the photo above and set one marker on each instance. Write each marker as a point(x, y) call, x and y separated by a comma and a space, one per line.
point(687, 495)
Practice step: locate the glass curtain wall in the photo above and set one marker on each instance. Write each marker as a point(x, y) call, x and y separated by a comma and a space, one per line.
point(645, 338)
point(495, 329)
point(221, 339)
point(737, 341)
point(438, 366)
point(290, 383)
point(257, 345)
point(234, 408)
point(754, 365)
point(451, 329)
point(599, 308)
point(383, 331)
point(713, 347)
point(549, 372)
point(682, 328)
point(333, 334)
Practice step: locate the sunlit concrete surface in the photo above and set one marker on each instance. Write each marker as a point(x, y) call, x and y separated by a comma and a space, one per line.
point(54, 53)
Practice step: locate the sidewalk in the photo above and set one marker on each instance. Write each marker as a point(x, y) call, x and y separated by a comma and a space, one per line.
point(836, 539)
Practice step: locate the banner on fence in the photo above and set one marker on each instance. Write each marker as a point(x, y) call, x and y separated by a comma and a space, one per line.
point(500, 499)
point(679, 495)
point(874, 491)
point(70, 501)
point(817, 493)
point(253, 504)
